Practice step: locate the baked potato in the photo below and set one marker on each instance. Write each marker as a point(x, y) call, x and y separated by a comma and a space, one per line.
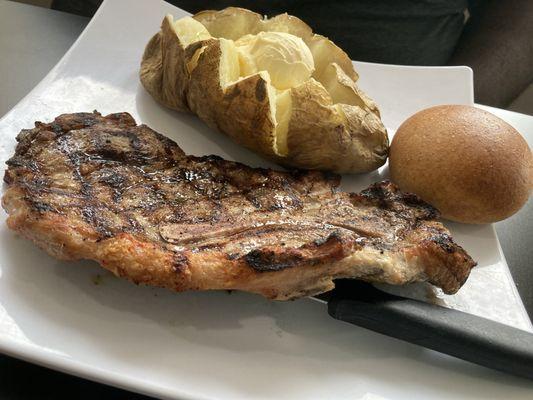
point(272, 85)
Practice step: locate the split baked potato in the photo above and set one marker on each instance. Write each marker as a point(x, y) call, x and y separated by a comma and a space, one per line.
point(272, 85)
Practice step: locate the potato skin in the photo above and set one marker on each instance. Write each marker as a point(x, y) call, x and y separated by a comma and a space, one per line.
point(163, 69)
point(339, 138)
point(242, 111)
point(322, 138)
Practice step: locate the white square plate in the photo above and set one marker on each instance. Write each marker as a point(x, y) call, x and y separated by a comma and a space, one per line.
point(76, 318)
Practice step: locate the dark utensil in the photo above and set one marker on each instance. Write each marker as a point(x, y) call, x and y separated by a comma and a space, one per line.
point(448, 331)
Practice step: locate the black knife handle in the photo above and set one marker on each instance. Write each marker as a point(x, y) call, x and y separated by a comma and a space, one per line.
point(448, 331)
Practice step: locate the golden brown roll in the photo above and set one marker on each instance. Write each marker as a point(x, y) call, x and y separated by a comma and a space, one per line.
point(468, 163)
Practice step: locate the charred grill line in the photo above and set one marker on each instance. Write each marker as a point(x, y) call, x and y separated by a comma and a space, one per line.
point(93, 217)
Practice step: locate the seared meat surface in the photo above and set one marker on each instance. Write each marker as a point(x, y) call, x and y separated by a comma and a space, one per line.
point(104, 188)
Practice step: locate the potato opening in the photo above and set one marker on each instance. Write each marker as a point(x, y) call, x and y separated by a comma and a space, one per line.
point(282, 113)
point(283, 50)
point(231, 23)
point(229, 68)
point(326, 52)
point(190, 31)
point(339, 86)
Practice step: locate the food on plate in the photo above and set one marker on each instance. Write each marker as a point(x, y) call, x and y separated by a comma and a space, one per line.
point(87, 186)
point(469, 164)
point(272, 85)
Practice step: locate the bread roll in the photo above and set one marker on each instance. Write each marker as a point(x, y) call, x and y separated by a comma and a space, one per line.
point(469, 164)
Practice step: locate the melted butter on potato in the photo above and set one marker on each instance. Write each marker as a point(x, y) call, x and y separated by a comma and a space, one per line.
point(285, 57)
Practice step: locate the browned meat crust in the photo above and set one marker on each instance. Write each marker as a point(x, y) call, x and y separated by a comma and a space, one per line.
point(102, 188)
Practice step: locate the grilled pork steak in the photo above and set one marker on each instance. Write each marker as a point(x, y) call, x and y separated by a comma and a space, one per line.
point(103, 188)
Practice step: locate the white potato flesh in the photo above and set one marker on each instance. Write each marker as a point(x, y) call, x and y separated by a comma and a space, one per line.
point(231, 23)
point(190, 31)
point(325, 52)
point(339, 86)
point(229, 68)
point(283, 116)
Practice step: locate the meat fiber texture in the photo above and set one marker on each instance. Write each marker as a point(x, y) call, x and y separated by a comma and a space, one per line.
point(103, 188)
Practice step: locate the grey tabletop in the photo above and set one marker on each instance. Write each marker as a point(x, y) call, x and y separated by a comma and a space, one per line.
point(32, 40)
